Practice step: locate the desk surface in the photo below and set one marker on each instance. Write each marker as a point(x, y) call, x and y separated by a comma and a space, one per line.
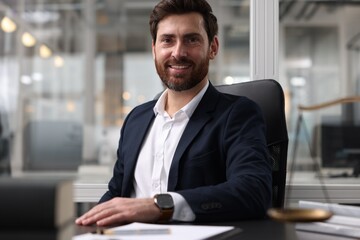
point(257, 229)
point(250, 230)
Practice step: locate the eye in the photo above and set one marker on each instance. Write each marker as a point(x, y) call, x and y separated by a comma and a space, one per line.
point(192, 40)
point(166, 40)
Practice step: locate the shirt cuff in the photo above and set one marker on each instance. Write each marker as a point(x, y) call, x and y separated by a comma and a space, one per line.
point(182, 210)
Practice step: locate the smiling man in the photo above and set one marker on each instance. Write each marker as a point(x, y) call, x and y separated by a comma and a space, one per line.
point(194, 154)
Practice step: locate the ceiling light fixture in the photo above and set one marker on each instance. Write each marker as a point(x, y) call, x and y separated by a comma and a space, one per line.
point(28, 40)
point(58, 61)
point(8, 25)
point(44, 51)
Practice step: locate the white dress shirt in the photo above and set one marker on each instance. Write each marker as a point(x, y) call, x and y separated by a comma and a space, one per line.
point(154, 161)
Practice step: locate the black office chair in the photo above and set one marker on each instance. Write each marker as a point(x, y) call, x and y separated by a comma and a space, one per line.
point(268, 94)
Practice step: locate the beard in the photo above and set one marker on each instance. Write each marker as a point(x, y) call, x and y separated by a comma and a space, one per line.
point(182, 82)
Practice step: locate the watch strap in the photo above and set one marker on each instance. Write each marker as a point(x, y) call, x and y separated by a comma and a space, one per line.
point(166, 215)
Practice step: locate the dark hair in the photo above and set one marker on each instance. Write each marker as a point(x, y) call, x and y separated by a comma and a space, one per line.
point(169, 7)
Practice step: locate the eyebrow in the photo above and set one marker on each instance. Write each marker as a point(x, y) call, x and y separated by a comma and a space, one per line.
point(192, 35)
point(185, 35)
point(166, 35)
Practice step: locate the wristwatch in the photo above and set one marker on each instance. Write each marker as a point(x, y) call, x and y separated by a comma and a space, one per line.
point(165, 203)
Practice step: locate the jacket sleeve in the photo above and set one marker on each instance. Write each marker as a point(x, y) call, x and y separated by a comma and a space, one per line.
point(246, 191)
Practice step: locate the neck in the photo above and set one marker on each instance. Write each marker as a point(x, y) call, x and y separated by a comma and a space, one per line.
point(176, 100)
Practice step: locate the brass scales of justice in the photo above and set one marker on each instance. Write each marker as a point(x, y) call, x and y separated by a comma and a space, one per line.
point(308, 214)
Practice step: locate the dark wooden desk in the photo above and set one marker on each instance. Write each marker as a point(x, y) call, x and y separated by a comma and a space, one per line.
point(260, 229)
point(250, 230)
point(256, 230)
point(245, 230)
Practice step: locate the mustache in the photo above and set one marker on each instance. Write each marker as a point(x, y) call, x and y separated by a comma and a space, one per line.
point(180, 61)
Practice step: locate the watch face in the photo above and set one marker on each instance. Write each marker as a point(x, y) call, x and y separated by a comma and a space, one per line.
point(164, 201)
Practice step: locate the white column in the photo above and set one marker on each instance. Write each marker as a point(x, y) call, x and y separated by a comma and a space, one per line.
point(17, 156)
point(264, 39)
point(89, 146)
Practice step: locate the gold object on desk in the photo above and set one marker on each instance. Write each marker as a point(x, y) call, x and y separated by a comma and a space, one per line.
point(299, 215)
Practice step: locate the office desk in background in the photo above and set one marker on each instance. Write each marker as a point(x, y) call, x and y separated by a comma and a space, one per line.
point(89, 186)
point(305, 186)
point(91, 183)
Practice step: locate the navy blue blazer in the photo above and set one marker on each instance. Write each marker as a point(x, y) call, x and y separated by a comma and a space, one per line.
point(221, 165)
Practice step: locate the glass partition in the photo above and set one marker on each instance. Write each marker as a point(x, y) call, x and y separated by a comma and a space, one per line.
point(319, 64)
point(71, 70)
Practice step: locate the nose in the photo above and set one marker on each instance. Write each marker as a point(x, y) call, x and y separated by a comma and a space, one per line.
point(179, 50)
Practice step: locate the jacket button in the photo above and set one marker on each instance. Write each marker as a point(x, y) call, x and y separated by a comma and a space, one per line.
point(212, 205)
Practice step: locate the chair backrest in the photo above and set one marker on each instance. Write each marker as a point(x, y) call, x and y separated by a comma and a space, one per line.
point(268, 94)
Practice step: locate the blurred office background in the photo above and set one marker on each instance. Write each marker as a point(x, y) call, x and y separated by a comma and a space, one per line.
point(71, 70)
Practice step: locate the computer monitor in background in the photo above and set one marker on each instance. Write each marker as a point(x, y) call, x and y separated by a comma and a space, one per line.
point(53, 145)
point(5, 144)
point(340, 147)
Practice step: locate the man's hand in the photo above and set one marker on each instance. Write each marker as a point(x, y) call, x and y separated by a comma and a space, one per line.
point(118, 211)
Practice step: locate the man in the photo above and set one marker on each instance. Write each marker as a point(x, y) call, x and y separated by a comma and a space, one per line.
point(195, 154)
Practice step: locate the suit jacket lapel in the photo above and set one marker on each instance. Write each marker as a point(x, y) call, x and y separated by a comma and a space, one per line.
point(200, 117)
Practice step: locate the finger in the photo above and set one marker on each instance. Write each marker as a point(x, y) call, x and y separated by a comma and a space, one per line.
point(114, 219)
point(105, 213)
point(85, 216)
point(91, 213)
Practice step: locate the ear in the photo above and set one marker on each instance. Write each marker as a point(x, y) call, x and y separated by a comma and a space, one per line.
point(153, 48)
point(214, 47)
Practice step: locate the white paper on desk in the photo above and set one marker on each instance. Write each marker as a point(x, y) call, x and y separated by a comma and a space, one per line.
point(329, 228)
point(178, 232)
point(344, 222)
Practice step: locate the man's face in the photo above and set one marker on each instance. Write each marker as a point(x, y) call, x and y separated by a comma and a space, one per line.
point(182, 51)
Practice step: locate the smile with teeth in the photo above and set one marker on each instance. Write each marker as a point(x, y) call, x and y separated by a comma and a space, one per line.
point(179, 66)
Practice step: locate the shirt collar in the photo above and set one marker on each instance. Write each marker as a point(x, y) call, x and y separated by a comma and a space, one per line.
point(189, 108)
